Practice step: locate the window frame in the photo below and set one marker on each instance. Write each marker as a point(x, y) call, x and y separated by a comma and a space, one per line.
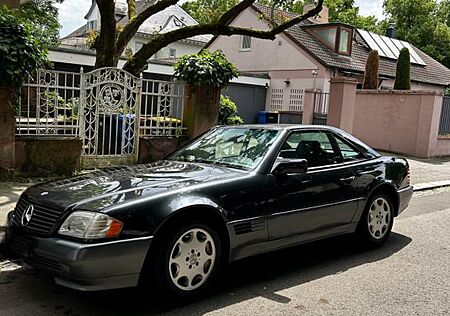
point(349, 144)
point(241, 45)
point(171, 49)
point(332, 137)
point(336, 47)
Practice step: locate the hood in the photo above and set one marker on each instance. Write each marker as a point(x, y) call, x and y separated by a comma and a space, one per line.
point(112, 186)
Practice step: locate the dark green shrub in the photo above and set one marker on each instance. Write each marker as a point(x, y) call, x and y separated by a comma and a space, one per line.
point(372, 68)
point(228, 112)
point(206, 68)
point(403, 74)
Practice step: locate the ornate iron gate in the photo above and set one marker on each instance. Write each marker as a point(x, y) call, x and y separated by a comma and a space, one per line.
point(110, 103)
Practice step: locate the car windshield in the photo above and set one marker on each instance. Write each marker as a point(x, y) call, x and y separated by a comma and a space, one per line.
point(241, 148)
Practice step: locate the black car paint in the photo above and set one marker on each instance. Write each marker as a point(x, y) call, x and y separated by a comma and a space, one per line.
point(260, 211)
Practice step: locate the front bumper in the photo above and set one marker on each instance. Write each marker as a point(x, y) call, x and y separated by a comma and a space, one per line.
point(86, 267)
point(404, 196)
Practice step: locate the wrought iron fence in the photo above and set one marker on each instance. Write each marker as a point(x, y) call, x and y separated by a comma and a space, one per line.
point(444, 126)
point(51, 103)
point(48, 105)
point(321, 103)
point(161, 108)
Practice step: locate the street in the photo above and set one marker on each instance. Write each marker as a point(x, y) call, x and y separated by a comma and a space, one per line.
point(410, 275)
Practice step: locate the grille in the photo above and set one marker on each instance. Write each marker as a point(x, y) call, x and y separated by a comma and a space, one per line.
point(42, 221)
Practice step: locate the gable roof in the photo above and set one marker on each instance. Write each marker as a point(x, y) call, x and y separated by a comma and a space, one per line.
point(434, 72)
point(161, 22)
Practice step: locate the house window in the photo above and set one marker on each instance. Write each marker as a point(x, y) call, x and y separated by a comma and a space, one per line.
point(172, 53)
point(327, 35)
point(345, 41)
point(139, 46)
point(92, 25)
point(246, 42)
point(336, 37)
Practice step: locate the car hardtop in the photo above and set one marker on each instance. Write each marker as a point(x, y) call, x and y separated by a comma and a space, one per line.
point(297, 127)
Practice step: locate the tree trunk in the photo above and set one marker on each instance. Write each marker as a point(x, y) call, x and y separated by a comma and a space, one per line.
point(7, 130)
point(201, 111)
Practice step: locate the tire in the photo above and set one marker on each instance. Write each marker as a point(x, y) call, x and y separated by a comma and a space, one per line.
point(376, 222)
point(187, 260)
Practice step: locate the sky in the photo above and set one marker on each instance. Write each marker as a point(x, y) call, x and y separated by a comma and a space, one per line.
point(72, 12)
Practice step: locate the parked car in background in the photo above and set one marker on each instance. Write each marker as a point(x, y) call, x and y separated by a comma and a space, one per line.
point(231, 193)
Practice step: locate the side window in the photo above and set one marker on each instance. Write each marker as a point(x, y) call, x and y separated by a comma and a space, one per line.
point(347, 152)
point(315, 147)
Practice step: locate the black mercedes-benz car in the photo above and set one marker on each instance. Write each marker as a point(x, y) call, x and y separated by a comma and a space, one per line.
point(231, 193)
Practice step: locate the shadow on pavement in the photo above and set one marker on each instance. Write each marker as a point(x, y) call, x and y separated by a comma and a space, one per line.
point(263, 275)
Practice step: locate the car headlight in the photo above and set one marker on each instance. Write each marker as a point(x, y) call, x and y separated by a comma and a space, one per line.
point(90, 225)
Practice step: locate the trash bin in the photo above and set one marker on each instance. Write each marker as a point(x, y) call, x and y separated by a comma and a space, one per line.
point(128, 133)
point(268, 117)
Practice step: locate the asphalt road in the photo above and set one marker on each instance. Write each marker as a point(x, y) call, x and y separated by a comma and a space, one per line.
point(410, 275)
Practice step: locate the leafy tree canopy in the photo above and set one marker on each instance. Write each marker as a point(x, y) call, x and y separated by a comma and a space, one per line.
point(43, 18)
point(21, 51)
point(344, 11)
point(424, 23)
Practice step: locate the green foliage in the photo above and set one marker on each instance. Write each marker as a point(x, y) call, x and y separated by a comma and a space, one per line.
point(447, 92)
point(228, 112)
point(206, 68)
point(21, 52)
point(42, 15)
point(372, 69)
point(424, 23)
point(207, 11)
point(403, 73)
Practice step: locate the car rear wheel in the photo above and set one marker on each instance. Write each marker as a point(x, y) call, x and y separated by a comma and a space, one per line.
point(187, 259)
point(376, 222)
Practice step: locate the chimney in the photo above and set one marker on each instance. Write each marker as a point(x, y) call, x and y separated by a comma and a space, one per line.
point(323, 15)
point(390, 31)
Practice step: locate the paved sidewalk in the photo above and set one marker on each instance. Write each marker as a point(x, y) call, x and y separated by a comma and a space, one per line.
point(425, 173)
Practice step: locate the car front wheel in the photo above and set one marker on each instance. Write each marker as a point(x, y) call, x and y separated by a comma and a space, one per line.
point(187, 260)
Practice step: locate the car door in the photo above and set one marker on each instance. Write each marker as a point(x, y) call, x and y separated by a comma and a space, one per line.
point(325, 196)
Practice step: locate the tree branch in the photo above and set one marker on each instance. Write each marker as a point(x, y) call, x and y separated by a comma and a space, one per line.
point(232, 13)
point(133, 25)
point(139, 60)
point(131, 9)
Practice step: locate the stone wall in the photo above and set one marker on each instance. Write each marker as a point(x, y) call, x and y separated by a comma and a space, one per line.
point(155, 148)
point(48, 157)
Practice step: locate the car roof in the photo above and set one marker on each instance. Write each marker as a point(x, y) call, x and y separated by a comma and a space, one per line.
point(289, 127)
point(284, 126)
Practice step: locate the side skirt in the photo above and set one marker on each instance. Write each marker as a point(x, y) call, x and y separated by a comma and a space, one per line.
point(248, 250)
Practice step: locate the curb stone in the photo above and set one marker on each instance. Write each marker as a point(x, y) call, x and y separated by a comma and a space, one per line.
point(417, 188)
point(431, 185)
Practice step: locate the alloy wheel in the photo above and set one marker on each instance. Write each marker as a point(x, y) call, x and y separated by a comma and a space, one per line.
point(379, 218)
point(192, 259)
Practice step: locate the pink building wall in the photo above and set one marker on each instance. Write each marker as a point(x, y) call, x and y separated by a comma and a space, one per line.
point(405, 122)
point(281, 58)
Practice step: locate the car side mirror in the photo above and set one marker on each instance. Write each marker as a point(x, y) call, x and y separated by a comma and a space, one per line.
point(290, 166)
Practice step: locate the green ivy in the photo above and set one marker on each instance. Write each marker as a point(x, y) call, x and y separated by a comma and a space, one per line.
point(20, 51)
point(206, 68)
point(228, 112)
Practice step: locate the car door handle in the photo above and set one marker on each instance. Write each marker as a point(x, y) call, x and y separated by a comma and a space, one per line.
point(347, 180)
